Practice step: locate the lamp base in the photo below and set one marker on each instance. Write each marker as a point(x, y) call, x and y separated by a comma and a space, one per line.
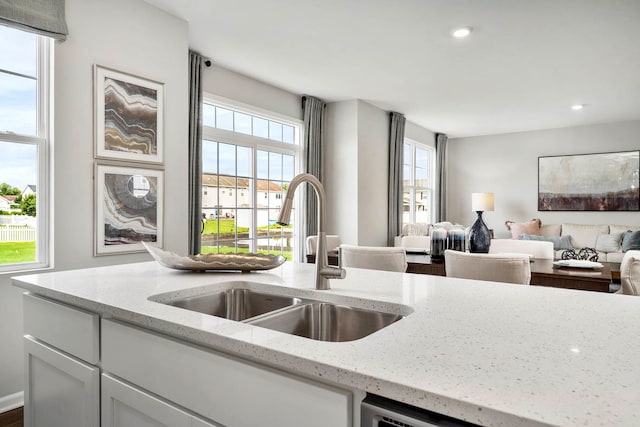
point(479, 236)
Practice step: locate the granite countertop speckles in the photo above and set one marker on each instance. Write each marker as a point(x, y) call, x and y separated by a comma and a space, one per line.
point(490, 353)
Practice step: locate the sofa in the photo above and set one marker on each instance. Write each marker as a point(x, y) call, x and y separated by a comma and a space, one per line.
point(417, 237)
point(606, 239)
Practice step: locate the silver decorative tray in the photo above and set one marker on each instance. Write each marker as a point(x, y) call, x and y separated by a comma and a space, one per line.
point(204, 262)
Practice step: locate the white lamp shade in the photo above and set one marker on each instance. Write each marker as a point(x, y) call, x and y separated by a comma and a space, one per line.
point(482, 202)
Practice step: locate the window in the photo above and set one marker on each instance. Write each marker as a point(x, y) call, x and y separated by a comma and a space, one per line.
point(256, 154)
point(24, 134)
point(418, 183)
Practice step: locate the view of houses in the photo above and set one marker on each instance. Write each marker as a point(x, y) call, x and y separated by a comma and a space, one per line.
point(17, 223)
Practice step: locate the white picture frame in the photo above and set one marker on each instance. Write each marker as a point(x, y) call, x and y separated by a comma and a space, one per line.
point(129, 208)
point(129, 117)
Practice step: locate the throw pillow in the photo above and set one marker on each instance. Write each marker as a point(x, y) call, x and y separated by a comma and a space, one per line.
point(559, 243)
point(609, 242)
point(529, 227)
point(631, 241)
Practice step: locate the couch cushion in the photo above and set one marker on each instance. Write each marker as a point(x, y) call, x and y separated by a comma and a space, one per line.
point(584, 235)
point(631, 241)
point(419, 229)
point(529, 227)
point(609, 242)
point(551, 230)
point(561, 242)
point(613, 257)
point(623, 228)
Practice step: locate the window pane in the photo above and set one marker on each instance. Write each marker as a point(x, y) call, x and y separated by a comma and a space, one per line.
point(18, 51)
point(406, 175)
point(263, 164)
point(275, 166)
point(18, 179)
point(260, 127)
point(287, 134)
point(18, 104)
point(209, 115)
point(275, 131)
point(288, 167)
point(209, 157)
point(224, 118)
point(406, 154)
point(242, 123)
point(275, 199)
point(227, 163)
point(422, 180)
point(244, 161)
point(422, 158)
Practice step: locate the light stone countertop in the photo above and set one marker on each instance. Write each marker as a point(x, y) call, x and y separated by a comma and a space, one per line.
point(493, 354)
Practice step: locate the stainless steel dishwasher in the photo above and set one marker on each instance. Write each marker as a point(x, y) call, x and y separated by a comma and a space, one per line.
point(377, 411)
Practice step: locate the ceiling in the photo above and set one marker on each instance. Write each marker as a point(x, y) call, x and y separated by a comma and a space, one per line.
point(524, 65)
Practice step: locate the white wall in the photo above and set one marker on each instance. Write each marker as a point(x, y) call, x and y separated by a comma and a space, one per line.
point(219, 81)
point(130, 36)
point(341, 169)
point(507, 165)
point(356, 170)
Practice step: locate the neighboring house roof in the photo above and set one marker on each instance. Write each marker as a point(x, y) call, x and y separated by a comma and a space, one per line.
point(31, 188)
point(243, 183)
point(10, 198)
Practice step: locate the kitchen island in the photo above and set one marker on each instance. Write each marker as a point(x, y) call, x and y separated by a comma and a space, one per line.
point(489, 353)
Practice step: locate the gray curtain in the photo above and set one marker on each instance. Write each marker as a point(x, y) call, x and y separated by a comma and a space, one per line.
point(313, 109)
point(44, 17)
point(195, 152)
point(441, 177)
point(396, 150)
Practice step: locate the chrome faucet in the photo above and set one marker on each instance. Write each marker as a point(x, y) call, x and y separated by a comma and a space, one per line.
point(324, 271)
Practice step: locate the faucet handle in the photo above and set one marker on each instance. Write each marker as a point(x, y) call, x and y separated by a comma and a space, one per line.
point(340, 257)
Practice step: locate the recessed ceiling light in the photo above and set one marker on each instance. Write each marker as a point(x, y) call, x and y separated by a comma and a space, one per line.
point(577, 107)
point(461, 33)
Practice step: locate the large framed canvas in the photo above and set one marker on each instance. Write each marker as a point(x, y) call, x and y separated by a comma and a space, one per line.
point(590, 182)
point(129, 117)
point(129, 208)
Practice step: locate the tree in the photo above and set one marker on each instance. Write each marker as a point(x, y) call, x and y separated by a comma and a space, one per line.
point(28, 205)
point(8, 190)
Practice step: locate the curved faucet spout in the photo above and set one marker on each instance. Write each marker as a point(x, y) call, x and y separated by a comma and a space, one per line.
point(324, 272)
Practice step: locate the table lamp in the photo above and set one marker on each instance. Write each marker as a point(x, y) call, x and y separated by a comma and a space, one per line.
point(479, 235)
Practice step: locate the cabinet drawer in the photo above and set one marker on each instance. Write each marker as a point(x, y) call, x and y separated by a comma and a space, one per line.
point(70, 329)
point(224, 389)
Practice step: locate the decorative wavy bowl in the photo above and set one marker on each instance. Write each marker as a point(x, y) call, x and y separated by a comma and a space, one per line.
point(215, 262)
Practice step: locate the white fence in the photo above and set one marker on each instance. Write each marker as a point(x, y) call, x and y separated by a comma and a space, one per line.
point(17, 233)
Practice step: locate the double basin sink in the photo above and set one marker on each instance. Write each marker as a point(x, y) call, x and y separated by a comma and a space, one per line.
point(317, 320)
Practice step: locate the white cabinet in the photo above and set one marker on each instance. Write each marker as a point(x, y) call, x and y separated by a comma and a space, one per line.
point(60, 390)
point(228, 390)
point(124, 405)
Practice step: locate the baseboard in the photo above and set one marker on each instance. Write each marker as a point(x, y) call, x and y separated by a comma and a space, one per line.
point(12, 401)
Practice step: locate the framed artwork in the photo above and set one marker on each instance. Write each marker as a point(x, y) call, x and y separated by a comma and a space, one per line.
point(590, 182)
point(129, 117)
point(129, 208)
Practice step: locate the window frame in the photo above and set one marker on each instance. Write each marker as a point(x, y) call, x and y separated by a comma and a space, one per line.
point(414, 189)
point(43, 142)
point(256, 143)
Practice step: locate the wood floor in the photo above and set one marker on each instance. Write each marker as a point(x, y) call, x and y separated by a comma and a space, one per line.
point(13, 418)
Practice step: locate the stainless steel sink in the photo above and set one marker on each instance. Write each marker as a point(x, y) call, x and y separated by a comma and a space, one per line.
point(326, 321)
point(236, 303)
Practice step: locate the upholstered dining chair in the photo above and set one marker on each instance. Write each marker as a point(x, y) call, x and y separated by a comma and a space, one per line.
point(630, 273)
point(374, 257)
point(333, 242)
point(509, 268)
point(535, 248)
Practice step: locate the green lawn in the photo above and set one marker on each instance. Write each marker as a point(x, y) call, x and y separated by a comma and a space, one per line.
point(223, 250)
point(17, 252)
point(227, 226)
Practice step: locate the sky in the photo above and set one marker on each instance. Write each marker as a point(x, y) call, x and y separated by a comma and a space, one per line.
point(18, 162)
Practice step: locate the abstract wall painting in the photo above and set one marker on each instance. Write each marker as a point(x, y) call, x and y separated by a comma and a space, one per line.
point(590, 182)
point(129, 208)
point(129, 116)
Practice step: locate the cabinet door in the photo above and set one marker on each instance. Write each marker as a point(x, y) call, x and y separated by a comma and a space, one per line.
point(60, 390)
point(124, 405)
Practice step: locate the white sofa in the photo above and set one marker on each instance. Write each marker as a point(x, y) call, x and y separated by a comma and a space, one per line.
point(417, 236)
point(586, 236)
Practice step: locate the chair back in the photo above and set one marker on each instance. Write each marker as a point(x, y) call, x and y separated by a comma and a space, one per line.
point(535, 248)
point(374, 257)
point(508, 268)
point(630, 273)
point(333, 242)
